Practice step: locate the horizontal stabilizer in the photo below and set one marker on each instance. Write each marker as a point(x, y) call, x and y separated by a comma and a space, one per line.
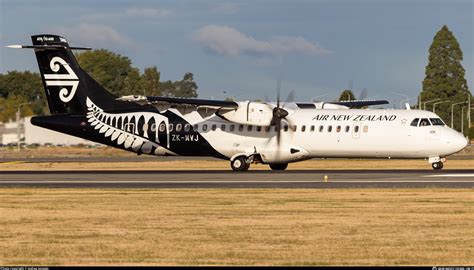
point(46, 47)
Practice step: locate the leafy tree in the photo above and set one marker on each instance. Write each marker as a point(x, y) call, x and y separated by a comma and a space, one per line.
point(151, 81)
point(167, 88)
point(111, 70)
point(444, 77)
point(133, 83)
point(18, 87)
point(346, 95)
point(9, 107)
point(187, 87)
point(22, 83)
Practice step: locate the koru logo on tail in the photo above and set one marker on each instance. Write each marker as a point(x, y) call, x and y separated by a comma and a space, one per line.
point(69, 79)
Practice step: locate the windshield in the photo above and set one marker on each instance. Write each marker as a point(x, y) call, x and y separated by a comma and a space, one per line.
point(424, 122)
point(437, 122)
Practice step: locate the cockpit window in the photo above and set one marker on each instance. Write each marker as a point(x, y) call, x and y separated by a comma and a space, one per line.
point(424, 122)
point(414, 122)
point(437, 122)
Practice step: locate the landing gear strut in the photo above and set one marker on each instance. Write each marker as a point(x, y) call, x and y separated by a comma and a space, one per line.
point(279, 166)
point(437, 165)
point(240, 164)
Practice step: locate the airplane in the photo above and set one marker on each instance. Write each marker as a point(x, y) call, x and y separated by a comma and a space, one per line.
point(242, 132)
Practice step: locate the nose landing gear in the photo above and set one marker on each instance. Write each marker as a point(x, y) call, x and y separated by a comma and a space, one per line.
point(436, 162)
point(437, 165)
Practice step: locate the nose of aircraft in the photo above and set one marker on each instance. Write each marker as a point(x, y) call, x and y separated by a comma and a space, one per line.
point(458, 141)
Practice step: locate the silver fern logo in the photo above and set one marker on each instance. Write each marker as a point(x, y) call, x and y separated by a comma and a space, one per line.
point(70, 79)
point(124, 129)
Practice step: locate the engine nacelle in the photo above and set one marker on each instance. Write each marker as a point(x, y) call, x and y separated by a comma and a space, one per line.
point(285, 153)
point(249, 113)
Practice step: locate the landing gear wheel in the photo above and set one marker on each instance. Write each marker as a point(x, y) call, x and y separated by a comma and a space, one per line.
point(437, 165)
point(240, 164)
point(279, 166)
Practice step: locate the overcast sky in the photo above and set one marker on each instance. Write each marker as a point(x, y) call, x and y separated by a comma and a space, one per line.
point(318, 48)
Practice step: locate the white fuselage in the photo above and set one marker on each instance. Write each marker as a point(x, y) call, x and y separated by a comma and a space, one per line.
point(315, 133)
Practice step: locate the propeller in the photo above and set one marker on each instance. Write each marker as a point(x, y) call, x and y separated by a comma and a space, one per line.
point(363, 94)
point(279, 113)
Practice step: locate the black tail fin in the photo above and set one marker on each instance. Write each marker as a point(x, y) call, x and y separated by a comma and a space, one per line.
point(67, 86)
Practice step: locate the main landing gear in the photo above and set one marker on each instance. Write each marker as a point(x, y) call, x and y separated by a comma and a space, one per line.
point(242, 163)
point(279, 166)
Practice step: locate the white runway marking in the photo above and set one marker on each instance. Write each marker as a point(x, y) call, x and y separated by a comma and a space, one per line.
point(451, 175)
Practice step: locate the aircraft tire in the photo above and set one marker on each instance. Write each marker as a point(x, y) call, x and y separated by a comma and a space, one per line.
point(279, 166)
point(437, 165)
point(240, 164)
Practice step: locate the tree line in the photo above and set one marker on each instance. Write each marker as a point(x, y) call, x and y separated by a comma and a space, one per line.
point(113, 71)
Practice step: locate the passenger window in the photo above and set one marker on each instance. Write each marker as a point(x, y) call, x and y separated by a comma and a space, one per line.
point(321, 128)
point(267, 129)
point(171, 127)
point(365, 129)
point(196, 127)
point(312, 128)
point(249, 128)
point(329, 128)
point(424, 122)
point(213, 127)
point(179, 127)
point(204, 127)
point(347, 128)
point(187, 127)
point(241, 128)
point(294, 128)
point(162, 127)
point(303, 128)
point(259, 128)
point(285, 128)
point(414, 123)
point(356, 129)
point(276, 128)
point(153, 127)
point(231, 128)
point(223, 127)
point(338, 129)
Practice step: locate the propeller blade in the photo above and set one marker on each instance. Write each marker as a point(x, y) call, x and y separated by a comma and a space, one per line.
point(265, 98)
point(278, 133)
point(278, 92)
point(363, 94)
point(290, 97)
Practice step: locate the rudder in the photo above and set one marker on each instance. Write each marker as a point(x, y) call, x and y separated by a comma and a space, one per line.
point(67, 86)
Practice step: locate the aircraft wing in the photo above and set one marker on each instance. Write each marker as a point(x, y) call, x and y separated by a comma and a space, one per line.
point(359, 103)
point(196, 102)
point(171, 101)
